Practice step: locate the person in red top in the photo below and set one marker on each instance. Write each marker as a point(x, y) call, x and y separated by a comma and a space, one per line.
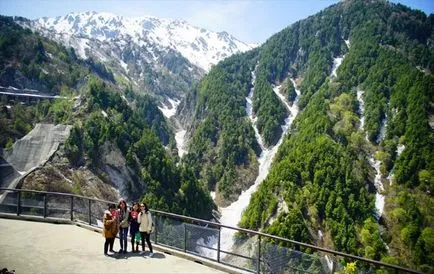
point(134, 225)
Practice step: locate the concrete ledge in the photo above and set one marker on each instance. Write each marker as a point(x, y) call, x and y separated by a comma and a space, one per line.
point(174, 252)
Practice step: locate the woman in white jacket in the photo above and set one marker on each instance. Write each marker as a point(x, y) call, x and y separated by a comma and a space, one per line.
point(145, 228)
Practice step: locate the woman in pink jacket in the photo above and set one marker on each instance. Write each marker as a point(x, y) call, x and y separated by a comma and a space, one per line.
point(145, 228)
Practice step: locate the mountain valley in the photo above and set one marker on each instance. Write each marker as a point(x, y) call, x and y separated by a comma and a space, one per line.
point(323, 134)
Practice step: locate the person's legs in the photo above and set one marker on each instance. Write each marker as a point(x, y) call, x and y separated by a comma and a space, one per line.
point(148, 240)
point(112, 242)
point(132, 244)
point(138, 239)
point(142, 234)
point(106, 245)
point(124, 238)
point(132, 235)
point(121, 242)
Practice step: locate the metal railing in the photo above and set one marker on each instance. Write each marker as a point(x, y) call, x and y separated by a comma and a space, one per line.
point(256, 252)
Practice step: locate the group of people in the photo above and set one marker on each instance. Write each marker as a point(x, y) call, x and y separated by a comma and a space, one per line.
point(139, 222)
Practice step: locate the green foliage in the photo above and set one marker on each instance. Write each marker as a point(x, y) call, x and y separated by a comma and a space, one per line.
point(170, 188)
point(146, 112)
point(194, 196)
point(27, 59)
point(290, 91)
point(61, 110)
point(100, 69)
point(140, 134)
point(371, 239)
point(411, 227)
point(350, 268)
point(74, 146)
point(290, 225)
point(16, 120)
point(270, 111)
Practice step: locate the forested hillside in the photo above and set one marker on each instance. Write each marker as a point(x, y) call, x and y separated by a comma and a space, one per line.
point(223, 147)
point(322, 173)
point(108, 122)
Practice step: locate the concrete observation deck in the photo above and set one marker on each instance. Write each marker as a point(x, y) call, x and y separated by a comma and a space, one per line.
point(36, 247)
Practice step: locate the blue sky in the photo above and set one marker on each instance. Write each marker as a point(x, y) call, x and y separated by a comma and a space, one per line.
point(251, 21)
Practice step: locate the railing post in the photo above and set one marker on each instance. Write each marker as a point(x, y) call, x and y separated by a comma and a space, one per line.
point(333, 263)
point(218, 245)
point(258, 265)
point(19, 203)
point(156, 227)
point(45, 205)
point(72, 208)
point(185, 238)
point(90, 212)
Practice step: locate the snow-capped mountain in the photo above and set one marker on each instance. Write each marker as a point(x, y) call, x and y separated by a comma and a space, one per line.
point(201, 47)
point(157, 56)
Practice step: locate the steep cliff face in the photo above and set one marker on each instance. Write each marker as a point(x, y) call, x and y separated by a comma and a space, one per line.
point(31, 152)
point(57, 175)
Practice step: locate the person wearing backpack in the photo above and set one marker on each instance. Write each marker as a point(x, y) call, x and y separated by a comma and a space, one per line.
point(145, 227)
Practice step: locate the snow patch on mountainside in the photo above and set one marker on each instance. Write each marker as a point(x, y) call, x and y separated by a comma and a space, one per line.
point(336, 63)
point(169, 111)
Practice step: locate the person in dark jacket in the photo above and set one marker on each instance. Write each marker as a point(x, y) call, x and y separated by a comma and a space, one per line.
point(134, 225)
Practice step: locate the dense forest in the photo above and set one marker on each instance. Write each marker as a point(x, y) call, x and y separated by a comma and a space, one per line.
point(321, 172)
point(223, 148)
point(101, 112)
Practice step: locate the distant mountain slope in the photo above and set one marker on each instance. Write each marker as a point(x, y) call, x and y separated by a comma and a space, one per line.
point(201, 47)
point(157, 56)
point(364, 69)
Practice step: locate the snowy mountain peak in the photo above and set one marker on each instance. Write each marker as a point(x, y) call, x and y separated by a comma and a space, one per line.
point(200, 46)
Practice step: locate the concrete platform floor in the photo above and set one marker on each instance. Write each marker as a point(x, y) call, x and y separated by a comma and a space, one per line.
point(34, 247)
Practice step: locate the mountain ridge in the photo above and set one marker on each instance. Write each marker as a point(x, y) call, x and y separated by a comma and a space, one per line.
point(173, 34)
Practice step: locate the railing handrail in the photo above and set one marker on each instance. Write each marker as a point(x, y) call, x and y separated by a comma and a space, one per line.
point(334, 252)
point(56, 193)
point(192, 219)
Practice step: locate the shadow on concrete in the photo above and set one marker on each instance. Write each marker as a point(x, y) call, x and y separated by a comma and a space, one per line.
point(127, 255)
point(158, 256)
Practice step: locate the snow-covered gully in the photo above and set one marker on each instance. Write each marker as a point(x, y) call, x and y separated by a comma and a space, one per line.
point(231, 215)
point(379, 197)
